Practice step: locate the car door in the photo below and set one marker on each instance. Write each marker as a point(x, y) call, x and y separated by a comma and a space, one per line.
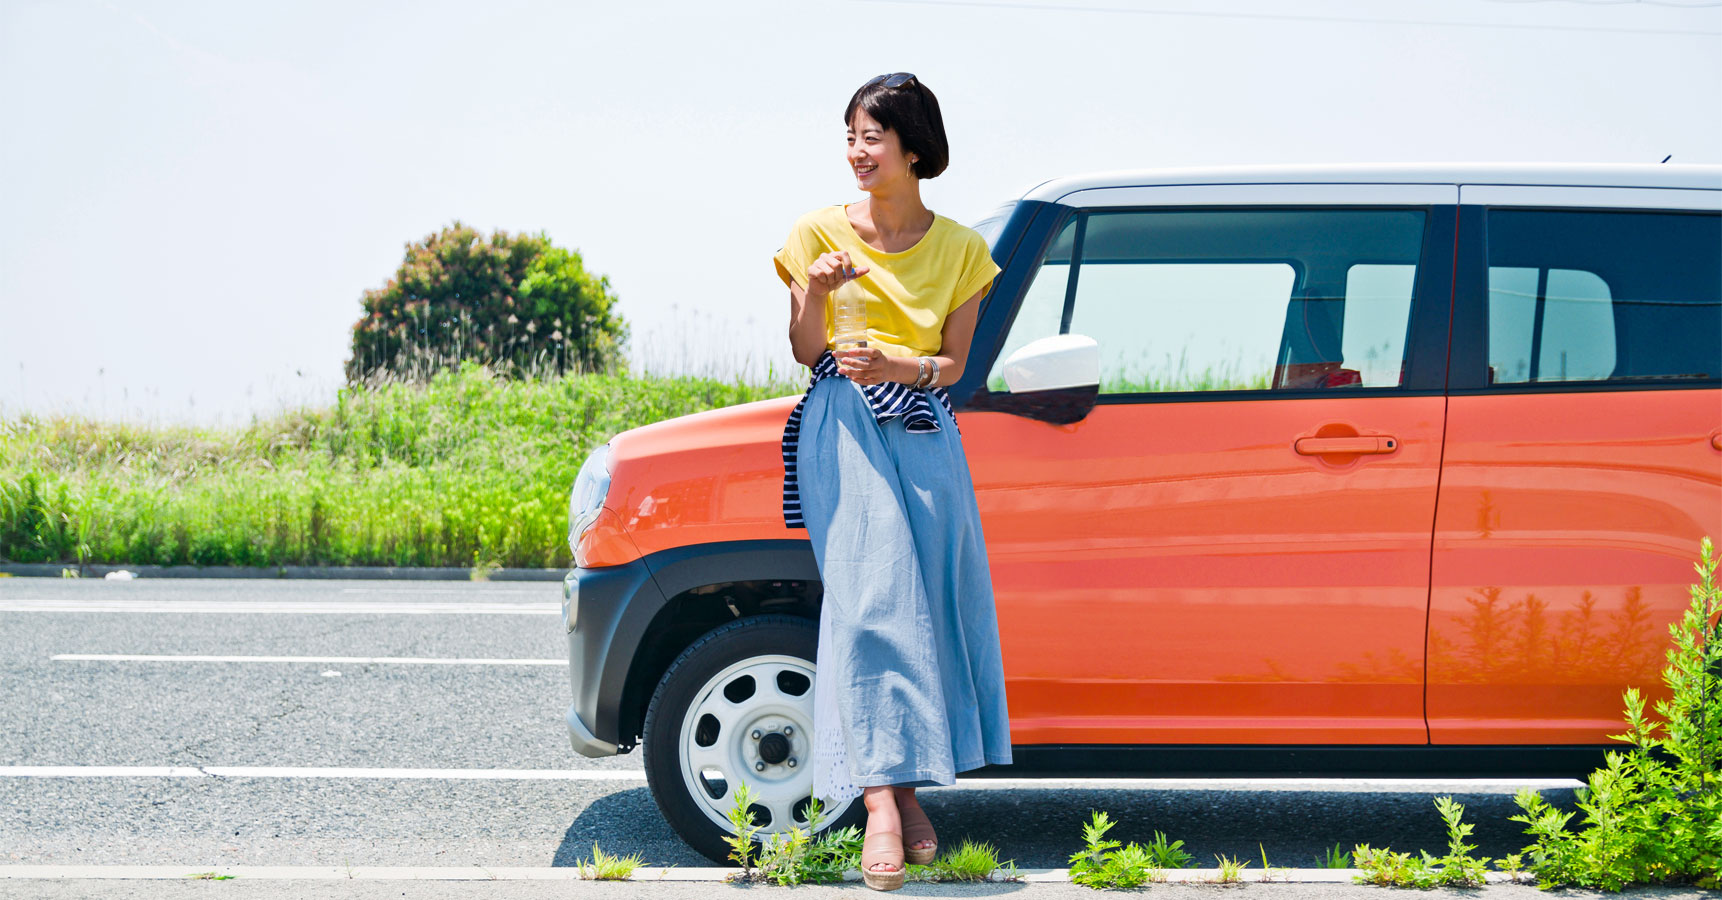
point(1232, 545)
point(1583, 457)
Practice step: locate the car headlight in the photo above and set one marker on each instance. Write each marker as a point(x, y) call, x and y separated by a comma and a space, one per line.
point(586, 500)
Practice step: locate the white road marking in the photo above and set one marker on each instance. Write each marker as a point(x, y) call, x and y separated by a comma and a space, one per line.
point(551, 588)
point(1415, 785)
point(321, 660)
point(288, 607)
point(319, 772)
point(100, 772)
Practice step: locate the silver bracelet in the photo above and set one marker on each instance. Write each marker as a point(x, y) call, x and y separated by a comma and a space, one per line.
point(935, 379)
point(920, 371)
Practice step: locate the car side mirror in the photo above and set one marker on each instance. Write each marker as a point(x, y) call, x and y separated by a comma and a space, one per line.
point(1050, 363)
point(1054, 379)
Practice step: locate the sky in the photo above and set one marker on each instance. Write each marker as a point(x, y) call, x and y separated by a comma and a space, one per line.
point(194, 196)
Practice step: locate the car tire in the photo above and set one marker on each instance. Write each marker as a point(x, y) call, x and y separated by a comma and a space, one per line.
point(753, 676)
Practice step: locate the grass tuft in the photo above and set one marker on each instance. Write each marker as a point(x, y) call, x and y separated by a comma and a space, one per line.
point(1231, 871)
point(1336, 858)
point(607, 866)
point(968, 861)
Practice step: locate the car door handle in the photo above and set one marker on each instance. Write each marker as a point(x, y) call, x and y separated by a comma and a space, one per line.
point(1369, 443)
point(1716, 440)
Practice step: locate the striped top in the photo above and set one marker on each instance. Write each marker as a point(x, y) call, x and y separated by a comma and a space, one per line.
point(888, 399)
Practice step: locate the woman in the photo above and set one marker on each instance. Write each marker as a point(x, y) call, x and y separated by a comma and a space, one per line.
point(910, 688)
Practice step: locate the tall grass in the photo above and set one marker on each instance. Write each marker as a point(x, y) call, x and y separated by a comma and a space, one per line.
point(466, 469)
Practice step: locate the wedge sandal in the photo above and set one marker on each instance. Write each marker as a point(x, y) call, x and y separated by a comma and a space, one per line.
point(882, 847)
point(917, 827)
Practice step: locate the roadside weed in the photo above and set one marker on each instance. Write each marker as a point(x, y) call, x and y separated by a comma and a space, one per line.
point(1384, 867)
point(1231, 870)
point(1513, 866)
point(1269, 873)
point(208, 876)
point(742, 830)
point(1103, 863)
point(607, 866)
point(1168, 855)
point(968, 861)
point(482, 570)
point(1336, 858)
point(1651, 814)
point(795, 856)
point(783, 859)
point(1458, 868)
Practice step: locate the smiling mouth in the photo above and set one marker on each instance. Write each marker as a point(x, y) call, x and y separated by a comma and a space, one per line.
point(865, 170)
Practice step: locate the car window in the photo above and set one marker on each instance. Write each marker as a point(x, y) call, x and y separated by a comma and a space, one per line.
point(994, 222)
point(1604, 296)
point(1184, 301)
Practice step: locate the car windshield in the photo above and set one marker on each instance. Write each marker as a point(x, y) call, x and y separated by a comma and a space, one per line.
point(990, 226)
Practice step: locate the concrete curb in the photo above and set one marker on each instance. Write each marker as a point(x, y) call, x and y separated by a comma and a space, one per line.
point(397, 573)
point(643, 873)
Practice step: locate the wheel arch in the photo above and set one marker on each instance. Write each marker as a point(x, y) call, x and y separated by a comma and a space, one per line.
point(708, 585)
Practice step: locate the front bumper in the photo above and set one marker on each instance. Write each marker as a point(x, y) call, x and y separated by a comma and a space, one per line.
point(602, 640)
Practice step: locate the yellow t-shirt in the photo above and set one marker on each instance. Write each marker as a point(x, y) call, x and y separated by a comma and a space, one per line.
point(910, 292)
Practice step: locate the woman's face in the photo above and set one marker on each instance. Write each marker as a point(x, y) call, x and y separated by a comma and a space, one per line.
point(875, 155)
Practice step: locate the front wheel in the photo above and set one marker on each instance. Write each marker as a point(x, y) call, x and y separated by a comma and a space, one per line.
point(735, 706)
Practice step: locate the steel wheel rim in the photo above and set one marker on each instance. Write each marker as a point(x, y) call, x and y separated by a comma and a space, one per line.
point(734, 754)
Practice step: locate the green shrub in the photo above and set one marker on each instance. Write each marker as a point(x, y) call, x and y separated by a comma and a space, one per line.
point(1652, 814)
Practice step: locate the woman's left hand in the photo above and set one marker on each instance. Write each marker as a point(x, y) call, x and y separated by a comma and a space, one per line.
point(863, 365)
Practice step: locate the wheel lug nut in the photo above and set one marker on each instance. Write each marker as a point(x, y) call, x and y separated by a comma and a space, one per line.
point(789, 729)
point(756, 734)
point(759, 767)
point(792, 762)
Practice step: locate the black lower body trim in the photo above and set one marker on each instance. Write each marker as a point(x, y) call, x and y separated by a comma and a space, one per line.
point(1337, 761)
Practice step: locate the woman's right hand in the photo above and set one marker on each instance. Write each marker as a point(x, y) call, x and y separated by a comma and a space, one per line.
point(827, 273)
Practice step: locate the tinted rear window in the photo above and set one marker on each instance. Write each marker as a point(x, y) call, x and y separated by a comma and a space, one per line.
point(1604, 296)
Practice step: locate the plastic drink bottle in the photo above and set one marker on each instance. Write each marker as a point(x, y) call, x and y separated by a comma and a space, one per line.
point(849, 315)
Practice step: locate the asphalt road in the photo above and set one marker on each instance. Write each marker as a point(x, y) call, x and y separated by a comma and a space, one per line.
point(207, 716)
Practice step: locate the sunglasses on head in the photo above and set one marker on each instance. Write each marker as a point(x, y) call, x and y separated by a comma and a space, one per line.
point(893, 80)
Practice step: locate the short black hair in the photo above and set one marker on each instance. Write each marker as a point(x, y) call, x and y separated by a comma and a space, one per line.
point(912, 112)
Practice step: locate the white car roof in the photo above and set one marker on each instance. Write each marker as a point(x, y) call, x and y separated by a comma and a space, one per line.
point(1637, 175)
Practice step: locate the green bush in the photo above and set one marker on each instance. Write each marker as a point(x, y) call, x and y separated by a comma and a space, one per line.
point(1652, 814)
point(467, 470)
point(513, 302)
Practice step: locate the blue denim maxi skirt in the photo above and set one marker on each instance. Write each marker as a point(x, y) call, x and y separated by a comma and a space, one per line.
point(909, 688)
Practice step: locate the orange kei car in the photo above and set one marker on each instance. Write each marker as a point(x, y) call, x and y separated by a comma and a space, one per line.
point(1360, 470)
